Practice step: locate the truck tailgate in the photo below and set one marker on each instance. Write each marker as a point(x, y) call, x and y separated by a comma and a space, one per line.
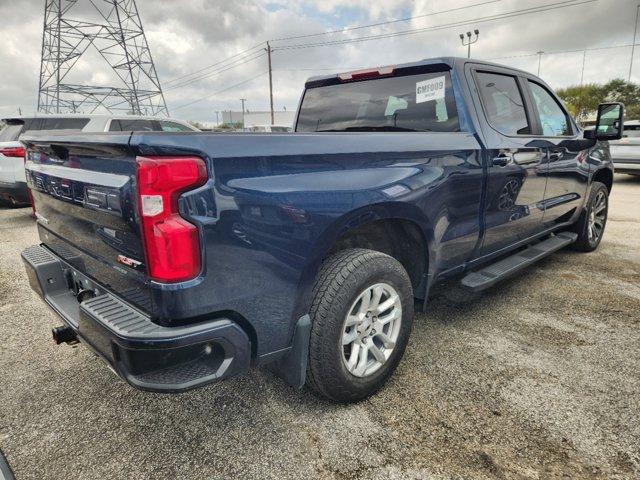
point(84, 196)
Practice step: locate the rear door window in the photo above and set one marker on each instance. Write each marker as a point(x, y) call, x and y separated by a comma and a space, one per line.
point(422, 103)
point(503, 104)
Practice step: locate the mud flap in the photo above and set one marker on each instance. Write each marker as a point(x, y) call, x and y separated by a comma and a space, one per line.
point(292, 368)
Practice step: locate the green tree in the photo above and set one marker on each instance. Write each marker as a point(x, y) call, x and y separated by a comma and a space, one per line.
point(619, 90)
point(582, 101)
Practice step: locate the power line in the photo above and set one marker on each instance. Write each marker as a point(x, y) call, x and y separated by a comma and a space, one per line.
point(219, 71)
point(222, 91)
point(370, 25)
point(555, 52)
point(524, 55)
point(488, 18)
point(359, 27)
point(250, 54)
point(214, 64)
point(245, 57)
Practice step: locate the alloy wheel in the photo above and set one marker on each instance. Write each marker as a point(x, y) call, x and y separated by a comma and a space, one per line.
point(371, 329)
point(597, 217)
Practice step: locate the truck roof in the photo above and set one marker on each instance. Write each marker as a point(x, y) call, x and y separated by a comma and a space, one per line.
point(447, 62)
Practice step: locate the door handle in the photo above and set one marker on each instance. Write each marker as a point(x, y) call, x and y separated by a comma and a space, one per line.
point(501, 160)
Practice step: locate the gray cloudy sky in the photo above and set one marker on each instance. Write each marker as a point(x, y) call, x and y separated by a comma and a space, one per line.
point(185, 36)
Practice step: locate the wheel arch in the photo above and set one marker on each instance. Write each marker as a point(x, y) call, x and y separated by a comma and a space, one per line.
point(387, 224)
point(603, 175)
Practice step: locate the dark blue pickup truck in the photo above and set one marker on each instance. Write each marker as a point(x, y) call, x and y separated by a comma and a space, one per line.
point(185, 258)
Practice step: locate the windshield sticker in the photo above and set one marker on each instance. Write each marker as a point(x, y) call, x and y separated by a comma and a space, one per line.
point(431, 89)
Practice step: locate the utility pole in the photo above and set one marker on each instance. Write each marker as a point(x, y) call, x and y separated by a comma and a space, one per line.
point(468, 42)
point(243, 100)
point(579, 109)
point(633, 47)
point(539, 52)
point(270, 82)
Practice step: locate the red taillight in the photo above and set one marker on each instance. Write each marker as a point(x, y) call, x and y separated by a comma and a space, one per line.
point(368, 73)
point(12, 151)
point(171, 243)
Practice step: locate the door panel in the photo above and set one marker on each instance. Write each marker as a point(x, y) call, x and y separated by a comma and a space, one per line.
point(567, 170)
point(568, 175)
point(515, 193)
point(515, 165)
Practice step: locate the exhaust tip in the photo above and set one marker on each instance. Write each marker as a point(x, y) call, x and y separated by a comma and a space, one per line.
point(64, 334)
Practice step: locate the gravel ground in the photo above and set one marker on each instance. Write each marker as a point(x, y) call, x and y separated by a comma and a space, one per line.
point(537, 378)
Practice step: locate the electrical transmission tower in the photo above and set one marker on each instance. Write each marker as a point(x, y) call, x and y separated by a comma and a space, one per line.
point(113, 29)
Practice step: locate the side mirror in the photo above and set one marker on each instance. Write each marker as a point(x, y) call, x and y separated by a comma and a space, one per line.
point(609, 123)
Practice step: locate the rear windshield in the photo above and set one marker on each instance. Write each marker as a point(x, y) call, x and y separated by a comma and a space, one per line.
point(59, 124)
point(421, 103)
point(10, 132)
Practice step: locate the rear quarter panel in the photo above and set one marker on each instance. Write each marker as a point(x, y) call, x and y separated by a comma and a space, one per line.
point(276, 203)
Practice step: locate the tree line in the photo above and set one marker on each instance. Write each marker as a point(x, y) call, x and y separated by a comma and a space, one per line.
point(582, 100)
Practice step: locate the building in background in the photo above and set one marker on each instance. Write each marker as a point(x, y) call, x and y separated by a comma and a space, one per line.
point(284, 118)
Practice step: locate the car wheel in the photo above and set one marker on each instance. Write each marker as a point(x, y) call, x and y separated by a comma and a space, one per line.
point(361, 315)
point(590, 226)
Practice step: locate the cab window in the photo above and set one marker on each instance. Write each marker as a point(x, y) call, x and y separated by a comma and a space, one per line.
point(553, 119)
point(503, 103)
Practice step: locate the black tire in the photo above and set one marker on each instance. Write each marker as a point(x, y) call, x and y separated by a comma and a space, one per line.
point(585, 241)
point(341, 280)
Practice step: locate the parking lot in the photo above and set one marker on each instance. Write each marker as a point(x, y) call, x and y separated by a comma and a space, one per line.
point(538, 378)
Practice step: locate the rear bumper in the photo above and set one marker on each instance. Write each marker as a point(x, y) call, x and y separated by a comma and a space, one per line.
point(148, 356)
point(17, 191)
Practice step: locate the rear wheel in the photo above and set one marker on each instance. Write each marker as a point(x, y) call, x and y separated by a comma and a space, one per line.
point(361, 317)
point(590, 226)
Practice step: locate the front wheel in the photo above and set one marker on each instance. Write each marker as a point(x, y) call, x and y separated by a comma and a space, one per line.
point(590, 226)
point(361, 316)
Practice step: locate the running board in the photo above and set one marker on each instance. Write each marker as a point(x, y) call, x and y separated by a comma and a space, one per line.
point(492, 274)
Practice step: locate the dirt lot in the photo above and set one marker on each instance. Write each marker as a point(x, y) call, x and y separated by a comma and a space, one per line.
point(539, 378)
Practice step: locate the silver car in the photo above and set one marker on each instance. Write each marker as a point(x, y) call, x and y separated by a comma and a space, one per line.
point(13, 186)
point(625, 152)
